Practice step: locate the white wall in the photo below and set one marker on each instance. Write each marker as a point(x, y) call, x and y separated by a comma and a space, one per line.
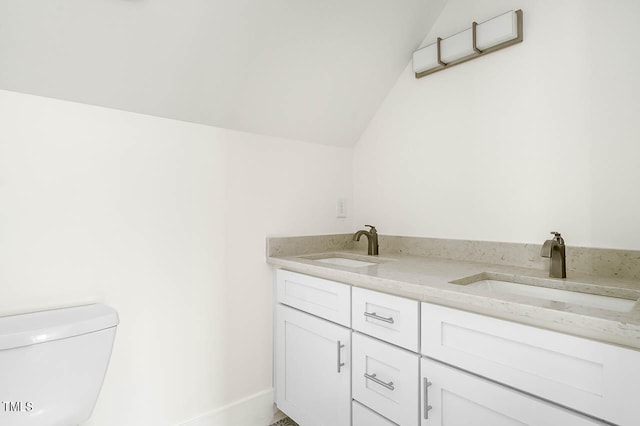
point(540, 136)
point(166, 222)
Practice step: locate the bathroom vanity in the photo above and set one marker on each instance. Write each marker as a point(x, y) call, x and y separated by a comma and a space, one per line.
point(404, 340)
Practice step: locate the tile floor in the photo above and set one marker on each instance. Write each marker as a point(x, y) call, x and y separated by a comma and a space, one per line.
point(284, 422)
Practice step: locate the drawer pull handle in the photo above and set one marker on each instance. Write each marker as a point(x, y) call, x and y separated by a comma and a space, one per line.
point(373, 378)
point(427, 407)
point(340, 364)
point(378, 317)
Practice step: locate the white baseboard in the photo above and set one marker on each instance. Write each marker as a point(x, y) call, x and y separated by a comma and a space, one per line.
point(255, 410)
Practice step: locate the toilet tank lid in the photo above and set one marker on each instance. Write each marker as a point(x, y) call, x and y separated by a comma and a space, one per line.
point(45, 326)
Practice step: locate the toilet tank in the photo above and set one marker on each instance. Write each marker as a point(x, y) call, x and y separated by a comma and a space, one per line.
point(53, 363)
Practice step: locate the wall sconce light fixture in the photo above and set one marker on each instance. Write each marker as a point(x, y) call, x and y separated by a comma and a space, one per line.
point(495, 34)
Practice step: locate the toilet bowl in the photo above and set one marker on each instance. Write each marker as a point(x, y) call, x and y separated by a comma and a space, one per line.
point(53, 363)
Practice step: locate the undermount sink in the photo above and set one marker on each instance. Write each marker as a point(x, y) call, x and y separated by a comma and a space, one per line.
point(538, 289)
point(350, 260)
point(341, 261)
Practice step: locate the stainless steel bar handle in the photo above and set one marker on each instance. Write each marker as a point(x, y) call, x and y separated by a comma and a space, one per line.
point(378, 317)
point(340, 364)
point(373, 378)
point(427, 407)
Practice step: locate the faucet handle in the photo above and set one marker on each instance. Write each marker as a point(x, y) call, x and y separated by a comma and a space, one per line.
point(558, 237)
point(373, 228)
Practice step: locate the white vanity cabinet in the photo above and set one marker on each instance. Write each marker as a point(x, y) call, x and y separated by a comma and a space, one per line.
point(356, 357)
point(313, 355)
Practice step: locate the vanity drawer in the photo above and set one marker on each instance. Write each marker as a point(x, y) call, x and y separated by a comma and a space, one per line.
point(390, 318)
point(595, 378)
point(385, 379)
point(362, 416)
point(324, 298)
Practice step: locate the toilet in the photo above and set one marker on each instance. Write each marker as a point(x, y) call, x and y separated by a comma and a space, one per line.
point(53, 363)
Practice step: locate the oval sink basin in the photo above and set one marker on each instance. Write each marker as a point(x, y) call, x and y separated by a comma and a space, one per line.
point(566, 296)
point(341, 261)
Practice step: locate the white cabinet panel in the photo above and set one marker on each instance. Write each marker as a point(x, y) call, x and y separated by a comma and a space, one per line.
point(457, 398)
point(324, 298)
point(312, 369)
point(592, 377)
point(390, 318)
point(362, 416)
point(385, 379)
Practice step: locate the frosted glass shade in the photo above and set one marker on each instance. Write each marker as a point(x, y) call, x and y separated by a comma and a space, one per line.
point(425, 58)
point(497, 30)
point(456, 46)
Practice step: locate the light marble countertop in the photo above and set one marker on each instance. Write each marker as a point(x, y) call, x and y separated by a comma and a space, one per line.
point(428, 279)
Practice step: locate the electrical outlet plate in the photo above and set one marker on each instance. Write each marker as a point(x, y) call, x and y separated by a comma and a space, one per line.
point(341, 208)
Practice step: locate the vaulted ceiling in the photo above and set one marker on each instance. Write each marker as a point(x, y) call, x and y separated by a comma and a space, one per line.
point(312, 70)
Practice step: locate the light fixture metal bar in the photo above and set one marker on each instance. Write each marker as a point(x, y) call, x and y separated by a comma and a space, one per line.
point(439, 48)
point(477, 54)
point(474, 27)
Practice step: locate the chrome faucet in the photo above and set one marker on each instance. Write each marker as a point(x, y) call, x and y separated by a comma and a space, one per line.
point(372, 239)
point(556, 250)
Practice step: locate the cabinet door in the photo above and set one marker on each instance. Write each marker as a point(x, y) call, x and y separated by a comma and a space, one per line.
point(452, 397)
point(313, 369)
